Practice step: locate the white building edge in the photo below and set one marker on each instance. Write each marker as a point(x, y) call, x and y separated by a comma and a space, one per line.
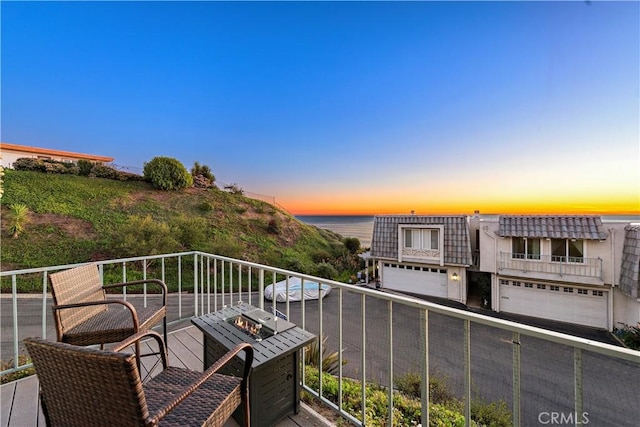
point(577, 269)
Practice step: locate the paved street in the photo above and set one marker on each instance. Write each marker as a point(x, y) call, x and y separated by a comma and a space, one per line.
point(610, 387)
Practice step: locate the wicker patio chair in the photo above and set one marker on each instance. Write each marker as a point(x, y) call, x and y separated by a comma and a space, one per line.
point(87, 386)
point(82, 314)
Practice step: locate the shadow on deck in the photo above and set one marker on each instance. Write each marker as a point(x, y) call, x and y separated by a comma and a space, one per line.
point(21, 408)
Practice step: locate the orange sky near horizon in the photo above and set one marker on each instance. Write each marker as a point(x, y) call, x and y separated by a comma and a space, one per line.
point(547, 206)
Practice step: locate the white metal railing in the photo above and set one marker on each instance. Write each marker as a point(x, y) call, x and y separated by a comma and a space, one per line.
point(207, 282)
point(562, 266)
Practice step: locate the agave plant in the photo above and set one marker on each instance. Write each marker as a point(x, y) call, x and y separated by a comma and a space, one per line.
point(18, 217)
point(330, 360)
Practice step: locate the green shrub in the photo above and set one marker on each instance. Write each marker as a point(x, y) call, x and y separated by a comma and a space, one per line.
point(28, 164)
point(406, 410)
point(18, 217)
point(352, 244)
point(190, 232)
point(166, 173)
point(84, 167)
point(205, 207)
point(141, 236)
point(491, 414)
point(102, 171)
point(325, 270)
point(203, 171)
point(630, 335)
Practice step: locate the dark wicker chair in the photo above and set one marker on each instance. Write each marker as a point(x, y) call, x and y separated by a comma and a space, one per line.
point(85, 386)
point(82, 314)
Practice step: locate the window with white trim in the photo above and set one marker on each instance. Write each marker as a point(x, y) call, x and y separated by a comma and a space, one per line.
point(422, 238)
point(525, 248)
point(567, 250)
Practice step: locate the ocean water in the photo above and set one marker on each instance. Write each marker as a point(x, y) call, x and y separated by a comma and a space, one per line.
point(361, 226)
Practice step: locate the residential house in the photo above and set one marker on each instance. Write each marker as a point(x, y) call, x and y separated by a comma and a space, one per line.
point(560, 267)
point(424, 255)
point(569, 268)
point(9, 153)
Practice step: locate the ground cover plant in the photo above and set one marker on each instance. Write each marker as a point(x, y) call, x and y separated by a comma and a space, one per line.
point(75, 218)
point(444, 409)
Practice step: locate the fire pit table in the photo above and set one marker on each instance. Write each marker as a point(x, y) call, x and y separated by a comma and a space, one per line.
point(274, 385)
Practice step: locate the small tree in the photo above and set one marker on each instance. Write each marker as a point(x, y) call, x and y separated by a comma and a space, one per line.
point(166, 173)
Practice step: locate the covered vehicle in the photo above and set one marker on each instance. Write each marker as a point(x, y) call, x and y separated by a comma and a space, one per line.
point(312, 290)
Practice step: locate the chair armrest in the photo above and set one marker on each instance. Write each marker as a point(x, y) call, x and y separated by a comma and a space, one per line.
point(140, 282)
point(248, 361)
point(138, 337)
point(128, 305)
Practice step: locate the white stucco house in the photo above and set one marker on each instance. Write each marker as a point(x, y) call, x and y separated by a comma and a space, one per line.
point(425, 255)
point(577, 269)
point(9, 153)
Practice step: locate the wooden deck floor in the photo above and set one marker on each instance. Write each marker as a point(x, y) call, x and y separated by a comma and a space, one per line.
point(20, 405)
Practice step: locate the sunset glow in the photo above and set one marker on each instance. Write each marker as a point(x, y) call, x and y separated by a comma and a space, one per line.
point(344, 107)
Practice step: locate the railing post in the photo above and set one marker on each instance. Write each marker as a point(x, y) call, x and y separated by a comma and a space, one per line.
point(390, 305)
point(44, 304)
point(180, 286)
point(195, 284)
point(363, 383)
point(14, 304)
point(424, 344)
point(467, 372)
point(577, 384)
point(340, 349)
point(261, 292)
point(516, 379)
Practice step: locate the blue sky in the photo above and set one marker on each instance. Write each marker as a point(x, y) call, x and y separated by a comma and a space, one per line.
point(343, 107)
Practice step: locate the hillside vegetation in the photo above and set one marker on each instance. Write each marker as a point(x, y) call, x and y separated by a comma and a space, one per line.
point(75, 218)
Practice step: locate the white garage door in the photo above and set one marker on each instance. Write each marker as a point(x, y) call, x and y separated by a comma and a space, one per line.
point(415, 280)
point(566, 304)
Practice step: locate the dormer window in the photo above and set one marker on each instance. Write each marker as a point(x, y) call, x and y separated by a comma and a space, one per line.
point(421, 243)
point(426, 239)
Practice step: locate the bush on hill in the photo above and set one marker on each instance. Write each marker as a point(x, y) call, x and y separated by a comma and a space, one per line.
point(167, 173)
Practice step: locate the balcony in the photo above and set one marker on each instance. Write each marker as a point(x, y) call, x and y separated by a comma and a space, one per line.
point(378, 336)
point(582, 270)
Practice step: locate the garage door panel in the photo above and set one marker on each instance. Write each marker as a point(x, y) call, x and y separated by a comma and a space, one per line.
point(574, 308)
point(416, 281)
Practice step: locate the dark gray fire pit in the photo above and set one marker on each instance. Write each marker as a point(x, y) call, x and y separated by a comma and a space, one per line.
point(274, 385)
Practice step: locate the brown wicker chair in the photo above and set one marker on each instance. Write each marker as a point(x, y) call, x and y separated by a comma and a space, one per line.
point(85, 386)
point(81, 312)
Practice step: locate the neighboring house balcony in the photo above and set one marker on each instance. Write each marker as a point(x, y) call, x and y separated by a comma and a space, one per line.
point(549, 267)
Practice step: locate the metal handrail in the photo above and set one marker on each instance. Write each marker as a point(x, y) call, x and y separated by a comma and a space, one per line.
point(231, 278)
point(552, 264)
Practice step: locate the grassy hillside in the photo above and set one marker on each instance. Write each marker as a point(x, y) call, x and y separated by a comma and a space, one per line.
point(77, 219)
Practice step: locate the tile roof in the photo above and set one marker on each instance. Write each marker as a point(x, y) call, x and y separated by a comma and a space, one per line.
point(630, 274)
point(457, 244)
point(588, 227)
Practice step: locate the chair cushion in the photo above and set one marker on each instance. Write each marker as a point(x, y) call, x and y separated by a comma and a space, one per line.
point(112, 325)
point(211, 404)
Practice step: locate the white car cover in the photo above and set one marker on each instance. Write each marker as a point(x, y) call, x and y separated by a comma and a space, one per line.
point(311, 290)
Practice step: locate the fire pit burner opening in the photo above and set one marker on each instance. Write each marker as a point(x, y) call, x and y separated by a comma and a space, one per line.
point(254, 329)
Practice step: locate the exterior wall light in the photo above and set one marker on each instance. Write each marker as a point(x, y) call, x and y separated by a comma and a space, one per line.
point(454, 276)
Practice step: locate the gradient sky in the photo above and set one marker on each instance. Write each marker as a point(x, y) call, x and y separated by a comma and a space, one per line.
point(343, 107)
